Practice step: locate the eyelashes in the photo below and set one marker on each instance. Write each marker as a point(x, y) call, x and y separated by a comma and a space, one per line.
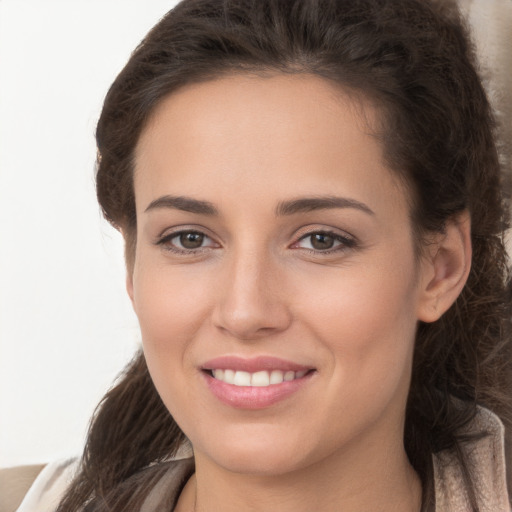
point(325, 242)
point(317, 242)
point(186, 242)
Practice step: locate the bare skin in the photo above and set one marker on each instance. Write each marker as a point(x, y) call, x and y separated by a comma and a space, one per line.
point(270, 227)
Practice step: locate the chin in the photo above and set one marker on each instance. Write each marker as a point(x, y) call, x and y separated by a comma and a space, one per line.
point(258, 464)
point(265, 458)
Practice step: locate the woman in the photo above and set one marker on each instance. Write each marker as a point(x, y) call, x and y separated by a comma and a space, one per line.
point(309, 192)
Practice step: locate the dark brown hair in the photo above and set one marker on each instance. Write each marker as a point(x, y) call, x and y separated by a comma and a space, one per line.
point(414, 60)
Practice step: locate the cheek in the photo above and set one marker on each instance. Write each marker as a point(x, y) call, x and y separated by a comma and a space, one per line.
point(369, 336)
point(165, 300)
point(362, 297)
point(368, 324)
point(171, 310)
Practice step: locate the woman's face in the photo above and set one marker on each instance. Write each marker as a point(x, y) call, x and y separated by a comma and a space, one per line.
point(275, 279)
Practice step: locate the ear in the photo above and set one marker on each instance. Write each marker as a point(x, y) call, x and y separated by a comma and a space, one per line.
point(129, 284)
point(129, 258)
point(445, 268)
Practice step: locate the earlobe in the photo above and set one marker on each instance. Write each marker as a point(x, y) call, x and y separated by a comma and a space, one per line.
point(445, 268)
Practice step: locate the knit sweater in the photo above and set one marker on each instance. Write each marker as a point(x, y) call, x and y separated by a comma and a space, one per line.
point(486, 457)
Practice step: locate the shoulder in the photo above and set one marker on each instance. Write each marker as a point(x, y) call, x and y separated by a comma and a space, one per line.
point(485, 454)
point(35, 488)
point(41, 488)
point(173, 475)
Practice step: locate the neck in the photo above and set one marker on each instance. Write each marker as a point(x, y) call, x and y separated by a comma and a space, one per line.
point(383, 481)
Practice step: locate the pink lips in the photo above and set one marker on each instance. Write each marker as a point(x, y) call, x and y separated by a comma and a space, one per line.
point(253, 397)
point(253, 365)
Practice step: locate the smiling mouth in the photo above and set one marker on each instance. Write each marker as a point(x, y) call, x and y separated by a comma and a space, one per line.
point(262, 378)
point(255, 383)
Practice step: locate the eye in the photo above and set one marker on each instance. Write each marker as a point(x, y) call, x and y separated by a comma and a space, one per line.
point(186, 241)
point(324, 241)
point(190, 240)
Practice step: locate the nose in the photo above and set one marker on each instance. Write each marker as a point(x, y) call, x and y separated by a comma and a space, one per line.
point(252, 301)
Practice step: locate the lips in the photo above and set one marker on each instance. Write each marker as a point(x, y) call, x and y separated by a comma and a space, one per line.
point(253, 364)
point(254, 383)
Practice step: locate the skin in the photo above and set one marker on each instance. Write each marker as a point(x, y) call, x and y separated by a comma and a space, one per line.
point(257, 286)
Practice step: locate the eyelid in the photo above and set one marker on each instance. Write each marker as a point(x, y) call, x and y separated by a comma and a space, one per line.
point(345, 239)
point(164, 239)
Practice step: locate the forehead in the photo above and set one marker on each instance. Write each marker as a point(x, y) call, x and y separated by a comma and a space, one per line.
point(239, 132)
point(235, 102)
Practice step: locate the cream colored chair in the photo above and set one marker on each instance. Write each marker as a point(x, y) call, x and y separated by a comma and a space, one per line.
point(14, 484)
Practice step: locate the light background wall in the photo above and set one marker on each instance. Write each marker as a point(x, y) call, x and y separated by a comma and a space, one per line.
point(66, 325)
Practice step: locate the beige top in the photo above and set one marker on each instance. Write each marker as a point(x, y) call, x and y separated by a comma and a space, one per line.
point(487, 456)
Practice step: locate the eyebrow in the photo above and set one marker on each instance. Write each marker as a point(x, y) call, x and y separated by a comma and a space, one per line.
point(309, 204)
point(186, 204)
point(284, 208)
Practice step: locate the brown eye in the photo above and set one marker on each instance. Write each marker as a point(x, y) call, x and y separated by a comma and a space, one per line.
point(325, 242)
point(191, 240)
point(186, 242)
point(321, 241)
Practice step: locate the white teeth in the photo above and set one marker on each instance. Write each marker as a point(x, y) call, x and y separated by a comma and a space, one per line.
point(258, 379)
point(276, 377)
point(242, 379)
point(229, 376)
point(218, 374)
point(289, 376)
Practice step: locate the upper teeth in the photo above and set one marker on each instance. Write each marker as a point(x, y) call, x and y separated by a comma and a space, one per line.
point(261, 379)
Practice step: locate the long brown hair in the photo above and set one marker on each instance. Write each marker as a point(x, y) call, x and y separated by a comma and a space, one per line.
point(414, 60)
